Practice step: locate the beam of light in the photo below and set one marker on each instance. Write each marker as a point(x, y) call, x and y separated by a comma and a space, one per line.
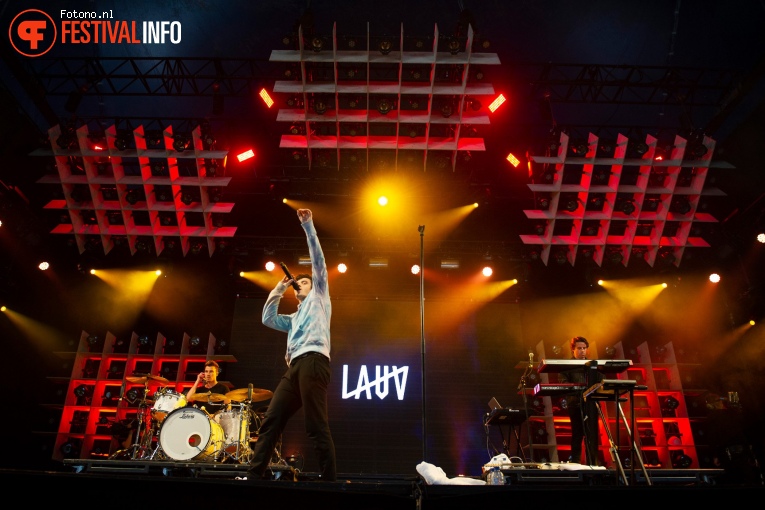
point(264, 279)
point(442, 223)
point(598, 317)
point(631, 294)
point(243, 156)
point(474, 292)
point(266, 97)
point(44, 338)
point(739, 337)
point(128, 292)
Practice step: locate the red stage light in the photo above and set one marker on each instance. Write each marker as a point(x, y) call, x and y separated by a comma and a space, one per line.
point(513, 160)
point(245, 155)
point(497, 103)
point(266, 98)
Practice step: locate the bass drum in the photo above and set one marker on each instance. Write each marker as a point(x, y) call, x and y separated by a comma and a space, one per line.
point(189, 434)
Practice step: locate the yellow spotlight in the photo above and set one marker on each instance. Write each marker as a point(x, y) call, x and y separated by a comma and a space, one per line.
point(601, 282)
point(382, 201)
point(475, 204)
point(158, 272)
point(92, 271)
point(241, 273)
point(3, 308)
point(751, 321)
point(664, 285)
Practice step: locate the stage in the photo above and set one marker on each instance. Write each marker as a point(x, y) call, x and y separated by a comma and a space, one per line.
point(106, 484)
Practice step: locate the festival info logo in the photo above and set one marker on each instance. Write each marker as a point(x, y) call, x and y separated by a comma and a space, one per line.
point(380, 384)
point(32, 33)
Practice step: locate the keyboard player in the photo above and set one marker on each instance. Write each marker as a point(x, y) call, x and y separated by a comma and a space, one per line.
point(584, 418)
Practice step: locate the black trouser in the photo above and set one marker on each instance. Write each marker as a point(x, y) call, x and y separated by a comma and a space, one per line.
point(304, 384)
point(584, 426)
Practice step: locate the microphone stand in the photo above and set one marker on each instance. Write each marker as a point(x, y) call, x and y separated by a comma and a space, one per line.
point(522, 389)
point(421, 230)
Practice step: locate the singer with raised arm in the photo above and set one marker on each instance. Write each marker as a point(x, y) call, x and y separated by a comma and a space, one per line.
point(305, 382)
point(583, 415)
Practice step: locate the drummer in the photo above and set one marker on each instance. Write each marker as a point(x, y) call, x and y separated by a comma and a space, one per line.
point(207, 393)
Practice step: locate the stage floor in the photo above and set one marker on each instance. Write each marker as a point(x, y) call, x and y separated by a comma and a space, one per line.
point(107, 484)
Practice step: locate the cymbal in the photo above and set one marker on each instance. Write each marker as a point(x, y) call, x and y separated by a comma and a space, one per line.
point(258, 395)
point(207, 397)
point(143, 379)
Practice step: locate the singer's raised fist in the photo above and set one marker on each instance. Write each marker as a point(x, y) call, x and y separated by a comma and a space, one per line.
point(304, 215)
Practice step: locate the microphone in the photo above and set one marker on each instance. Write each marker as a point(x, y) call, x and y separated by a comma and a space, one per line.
point(421, 229)
point(531, 359)
point(287, 272)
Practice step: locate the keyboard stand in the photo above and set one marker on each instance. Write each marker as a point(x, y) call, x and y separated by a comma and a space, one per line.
point(612, 390)
point(513, 426)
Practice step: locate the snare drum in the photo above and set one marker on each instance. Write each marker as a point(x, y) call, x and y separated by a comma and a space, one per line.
point(165, 402)
point(189, 434)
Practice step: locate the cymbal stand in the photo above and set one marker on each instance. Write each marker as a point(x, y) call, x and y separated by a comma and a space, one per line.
point(142, 444)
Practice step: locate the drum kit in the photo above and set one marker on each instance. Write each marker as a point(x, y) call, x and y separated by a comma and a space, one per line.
point(169, 427)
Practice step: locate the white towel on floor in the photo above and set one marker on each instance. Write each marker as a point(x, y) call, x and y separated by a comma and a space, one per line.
point(434, 475)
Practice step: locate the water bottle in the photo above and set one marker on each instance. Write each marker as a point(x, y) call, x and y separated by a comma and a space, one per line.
point(495, 477)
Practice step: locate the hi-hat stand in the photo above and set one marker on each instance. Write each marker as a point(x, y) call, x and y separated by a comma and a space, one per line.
point(144, 435)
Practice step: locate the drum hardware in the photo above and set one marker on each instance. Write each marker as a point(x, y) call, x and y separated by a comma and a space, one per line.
point(144, 432)
point(276, 457)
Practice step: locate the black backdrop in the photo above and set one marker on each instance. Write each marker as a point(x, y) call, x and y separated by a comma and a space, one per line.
point(465, 366)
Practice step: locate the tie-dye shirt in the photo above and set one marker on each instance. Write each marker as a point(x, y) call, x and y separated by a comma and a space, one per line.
point(308, 328)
